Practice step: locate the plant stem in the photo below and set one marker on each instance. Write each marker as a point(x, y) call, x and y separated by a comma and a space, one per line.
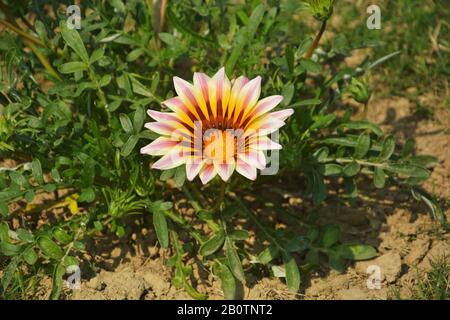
point(255, 220)
point(185, 225)
point(211, 223)
point(220, 198)
point(21, 33)
point(316, 41)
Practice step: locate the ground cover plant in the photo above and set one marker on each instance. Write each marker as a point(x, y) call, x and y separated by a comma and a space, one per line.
point(76, 161)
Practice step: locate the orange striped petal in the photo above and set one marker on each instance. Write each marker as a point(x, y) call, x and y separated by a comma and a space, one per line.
point(236, 88)
point(247, 99)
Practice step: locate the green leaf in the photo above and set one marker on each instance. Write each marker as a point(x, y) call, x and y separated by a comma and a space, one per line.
point(379, 178)
point(138, 119)
point(332, 169)
point(351, 169)
point(387, 148)
point(70, 261)
point(129, 145)
point(134, 54)
point(233, 260)
point(58, 273)
point(239, 235)
point(331, 235)
point(303, 47)
point(160, 224)
point(73, 40)
point(312, 257)
point(72, 67)
point(292, 273)
point(362, 125)
point(180, 26)
point(307, 102)
point(213, 244)
point(87, 195)
point(126, 123)
point(29, 196)
point(310, 65)
point(227, 281)
point(25, 235)
point(61, 236)
point(194, 293)
point(9, 249)
point(4, 232)
point(287, 93)
point(336, 262)
point(50, 248)
point(356, 251)
point(409, 170)
point(17, 178)
point(97, 55)
point(244, 36)
point(36, 169)
point(4, 210)
point(362, 145)
point(105, 80)
point(8, 273)
point(30, 256)
point(268, 254)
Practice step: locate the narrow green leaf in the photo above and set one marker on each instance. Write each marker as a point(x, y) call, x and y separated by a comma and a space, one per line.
point(362, 145)
point(58, 273)
point(379, 178)
point(387, 148)
point(227, 281)
point(138, 119)
point(233, 260)
point(268, 254)
point(126, 123)
point(61, 236)
point(292, 273)
point(194, 293)
point(239, 235)
point(72, 67)
point(351, 169)
point(356, 251)
point(30, 256)
point(331, 235)
point(36, 169)
point(129, 145)
point(160, 224)
point(73, 40)
point(25, 235)
point(332, 169)
point(213, 244)
point(362, 125)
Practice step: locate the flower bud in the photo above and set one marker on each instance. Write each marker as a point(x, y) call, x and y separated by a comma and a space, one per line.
point(319, 9)
point(359, 90)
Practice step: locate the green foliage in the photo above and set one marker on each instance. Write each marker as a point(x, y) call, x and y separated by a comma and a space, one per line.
point(80, 136)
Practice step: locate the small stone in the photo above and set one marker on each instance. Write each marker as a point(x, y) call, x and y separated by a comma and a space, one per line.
point(94, 283)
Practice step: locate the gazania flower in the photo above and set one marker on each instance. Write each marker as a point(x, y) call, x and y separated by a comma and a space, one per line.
point(215, 127)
